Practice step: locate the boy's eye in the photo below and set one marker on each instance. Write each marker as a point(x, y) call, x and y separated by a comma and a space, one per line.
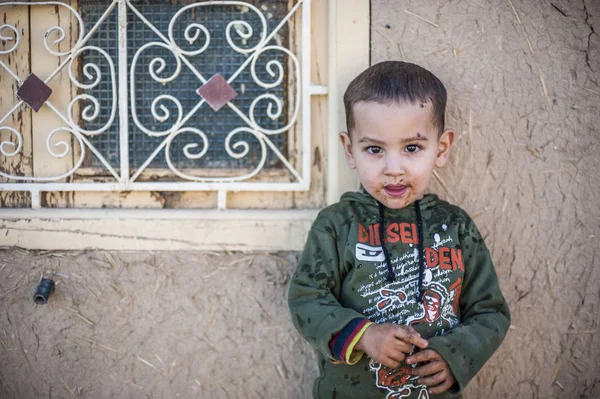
point(374, 149)
point(412, 148)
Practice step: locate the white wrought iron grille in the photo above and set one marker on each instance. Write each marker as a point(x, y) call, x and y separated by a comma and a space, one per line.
point(137, 108)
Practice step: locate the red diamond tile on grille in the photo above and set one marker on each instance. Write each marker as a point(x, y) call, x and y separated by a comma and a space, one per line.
point(217, 92)
point(34, 92)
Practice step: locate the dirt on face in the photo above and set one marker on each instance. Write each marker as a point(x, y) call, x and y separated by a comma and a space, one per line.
point(150, 325)
point(523, 81)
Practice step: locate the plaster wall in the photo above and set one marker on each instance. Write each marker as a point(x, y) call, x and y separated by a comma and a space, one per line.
point(524, 94)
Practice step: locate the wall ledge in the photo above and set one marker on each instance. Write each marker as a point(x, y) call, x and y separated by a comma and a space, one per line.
point(160, 229)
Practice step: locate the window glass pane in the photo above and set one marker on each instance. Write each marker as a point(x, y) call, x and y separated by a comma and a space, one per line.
point(219, 57)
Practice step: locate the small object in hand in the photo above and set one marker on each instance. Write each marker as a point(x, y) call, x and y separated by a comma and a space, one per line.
point(44, 289)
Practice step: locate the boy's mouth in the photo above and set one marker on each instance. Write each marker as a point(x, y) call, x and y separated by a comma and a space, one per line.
point(395, 190)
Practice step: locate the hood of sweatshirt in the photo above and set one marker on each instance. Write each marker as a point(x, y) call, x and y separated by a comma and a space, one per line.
point(428, 200)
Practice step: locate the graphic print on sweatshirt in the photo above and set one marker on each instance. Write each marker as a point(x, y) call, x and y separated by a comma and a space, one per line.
point(398, 382)
point(395, 302)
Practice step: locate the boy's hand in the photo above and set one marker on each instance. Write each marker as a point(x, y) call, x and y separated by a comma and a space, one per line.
point(434, 373)
point(389, 344)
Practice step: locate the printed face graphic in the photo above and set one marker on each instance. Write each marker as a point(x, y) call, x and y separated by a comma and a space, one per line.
point(394, 149)
point(431, 302)
point(368, 253)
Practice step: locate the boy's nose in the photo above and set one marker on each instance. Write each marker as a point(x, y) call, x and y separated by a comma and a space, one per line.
point(394, 166)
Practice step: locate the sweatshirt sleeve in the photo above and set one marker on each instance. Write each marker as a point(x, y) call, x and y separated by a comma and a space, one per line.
point(315, 290)
point(485, 317)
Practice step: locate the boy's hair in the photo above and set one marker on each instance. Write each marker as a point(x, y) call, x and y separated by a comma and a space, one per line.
point(395, 82)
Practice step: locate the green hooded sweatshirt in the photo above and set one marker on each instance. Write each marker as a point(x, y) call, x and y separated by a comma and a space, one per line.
point(444, 285)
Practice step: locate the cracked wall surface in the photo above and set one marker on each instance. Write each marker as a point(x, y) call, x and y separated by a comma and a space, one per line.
point(524, 93)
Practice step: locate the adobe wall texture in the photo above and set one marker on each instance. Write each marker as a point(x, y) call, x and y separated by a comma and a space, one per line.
point(523, 79)
point(150, 325)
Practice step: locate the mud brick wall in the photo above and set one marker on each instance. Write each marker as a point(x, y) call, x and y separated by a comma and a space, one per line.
point(524, 95)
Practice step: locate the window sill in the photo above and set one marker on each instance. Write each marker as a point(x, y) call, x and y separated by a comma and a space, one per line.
point(138, 229)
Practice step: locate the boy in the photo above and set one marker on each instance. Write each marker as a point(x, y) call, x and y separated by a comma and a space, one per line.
point(396, 289)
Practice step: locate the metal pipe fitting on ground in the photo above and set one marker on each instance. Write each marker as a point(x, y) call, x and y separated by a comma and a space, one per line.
point(43, 291)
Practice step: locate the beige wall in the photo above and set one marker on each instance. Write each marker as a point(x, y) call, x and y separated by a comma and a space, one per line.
point(524, 95)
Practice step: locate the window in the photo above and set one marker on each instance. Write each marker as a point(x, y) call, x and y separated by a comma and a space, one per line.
point(219, 57)
point(165, 95)
point(47, 160)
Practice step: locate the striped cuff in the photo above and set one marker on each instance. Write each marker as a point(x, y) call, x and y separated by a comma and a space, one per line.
point(342, 344)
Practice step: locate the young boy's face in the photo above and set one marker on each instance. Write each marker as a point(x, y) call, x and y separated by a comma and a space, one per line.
point(394, 149)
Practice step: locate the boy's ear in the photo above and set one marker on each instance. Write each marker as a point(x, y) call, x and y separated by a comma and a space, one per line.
point(444, 145)
point(347, 144)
